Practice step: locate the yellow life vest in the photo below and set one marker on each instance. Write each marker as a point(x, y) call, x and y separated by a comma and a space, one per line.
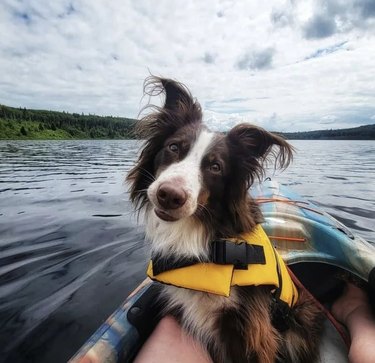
point(218, 278)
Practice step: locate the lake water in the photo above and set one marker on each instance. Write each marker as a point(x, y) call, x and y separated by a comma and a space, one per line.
point(70, 247)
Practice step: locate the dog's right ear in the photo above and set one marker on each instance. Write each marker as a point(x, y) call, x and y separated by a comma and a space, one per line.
point(179, 109)
point(176, 94)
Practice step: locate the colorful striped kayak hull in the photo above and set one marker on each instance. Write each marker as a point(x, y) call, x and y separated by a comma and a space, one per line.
point(304, 233)
point(313, 244)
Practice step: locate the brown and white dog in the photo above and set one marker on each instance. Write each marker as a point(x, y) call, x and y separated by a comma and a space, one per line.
point(193, 187)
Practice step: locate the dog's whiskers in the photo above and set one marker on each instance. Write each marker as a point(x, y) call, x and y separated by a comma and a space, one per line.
point(140, 190)
point(147, 174)
point(204, 209)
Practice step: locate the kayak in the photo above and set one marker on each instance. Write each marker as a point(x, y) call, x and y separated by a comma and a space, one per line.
point(318, 249)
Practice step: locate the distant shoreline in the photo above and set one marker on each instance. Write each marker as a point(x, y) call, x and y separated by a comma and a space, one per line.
point(366, 132)
point(28, 124)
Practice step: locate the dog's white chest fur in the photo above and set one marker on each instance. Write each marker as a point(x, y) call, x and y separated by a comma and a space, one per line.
point(182, 238)
point(199, 310)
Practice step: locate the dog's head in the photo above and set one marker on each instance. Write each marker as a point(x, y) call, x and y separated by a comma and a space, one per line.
point(186, 171)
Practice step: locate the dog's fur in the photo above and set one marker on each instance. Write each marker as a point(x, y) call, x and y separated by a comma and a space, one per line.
point(193, 186)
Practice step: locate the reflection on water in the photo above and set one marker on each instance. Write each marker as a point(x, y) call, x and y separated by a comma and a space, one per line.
point(70, 248)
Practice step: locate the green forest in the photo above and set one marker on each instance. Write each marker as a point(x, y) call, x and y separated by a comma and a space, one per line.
point(22, 123)
point(356, 133)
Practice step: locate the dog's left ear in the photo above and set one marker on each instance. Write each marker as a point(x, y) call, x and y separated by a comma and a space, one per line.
point(254, 145)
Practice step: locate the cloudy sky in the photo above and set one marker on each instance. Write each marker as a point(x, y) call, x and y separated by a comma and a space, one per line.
point(284, 65)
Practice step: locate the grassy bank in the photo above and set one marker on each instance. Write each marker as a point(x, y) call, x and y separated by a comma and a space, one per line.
point(25, 124)
point(24, 130)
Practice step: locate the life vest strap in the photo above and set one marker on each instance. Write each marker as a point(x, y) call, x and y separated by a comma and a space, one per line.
point(280, 314)
point(162, 264)
point(223, 252)
point(238, 254)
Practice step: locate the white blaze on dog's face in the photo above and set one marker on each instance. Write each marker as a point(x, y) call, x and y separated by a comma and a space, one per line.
point(179, 180)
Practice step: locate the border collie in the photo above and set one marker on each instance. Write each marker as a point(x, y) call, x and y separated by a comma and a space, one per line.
point(192, 185)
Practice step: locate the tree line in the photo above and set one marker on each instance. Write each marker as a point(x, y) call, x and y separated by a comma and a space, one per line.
point(366, 132)
point(27, 123)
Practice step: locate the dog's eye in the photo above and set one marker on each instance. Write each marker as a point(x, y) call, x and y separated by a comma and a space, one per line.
point(215, 167)
point(173, 148)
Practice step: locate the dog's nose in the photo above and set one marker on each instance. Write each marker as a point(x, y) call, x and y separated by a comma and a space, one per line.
point(170, 196)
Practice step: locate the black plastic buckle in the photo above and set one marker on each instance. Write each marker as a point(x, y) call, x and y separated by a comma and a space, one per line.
point(280, 315)
point(230, 253)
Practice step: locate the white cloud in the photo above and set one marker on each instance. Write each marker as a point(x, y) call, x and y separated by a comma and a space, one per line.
point(93, 55)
